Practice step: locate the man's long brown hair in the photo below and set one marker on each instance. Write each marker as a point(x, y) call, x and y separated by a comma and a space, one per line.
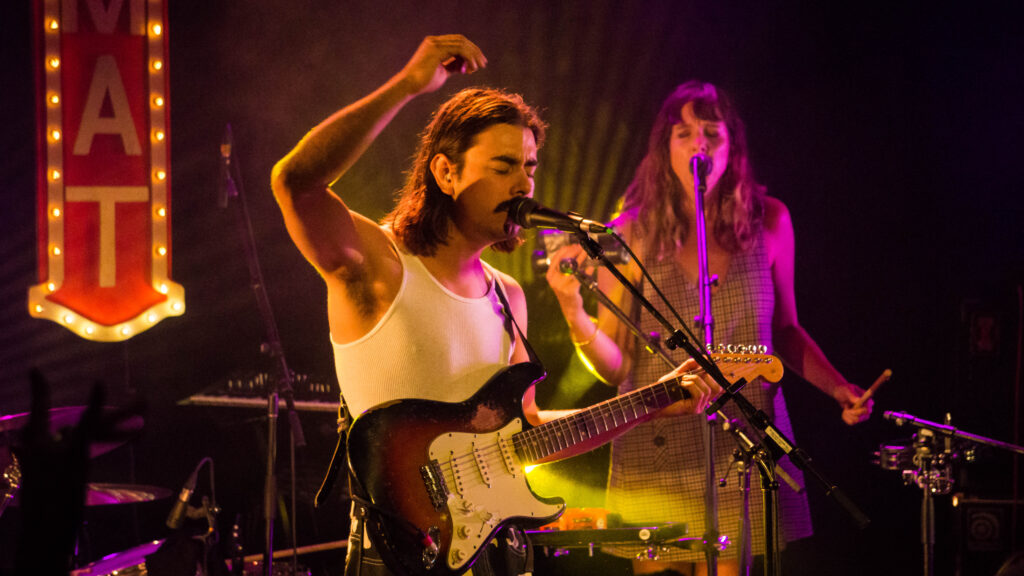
point(423, 213)
point(736, 204)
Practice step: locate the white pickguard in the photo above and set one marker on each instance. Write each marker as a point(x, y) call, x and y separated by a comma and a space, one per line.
point(486, 484)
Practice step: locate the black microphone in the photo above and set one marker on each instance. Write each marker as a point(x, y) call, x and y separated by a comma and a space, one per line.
point(899, 417)
point(902, 418)
point(701, 165)
point(568, 266)
point(180, 510)
point(226, 186)
point(529, 214)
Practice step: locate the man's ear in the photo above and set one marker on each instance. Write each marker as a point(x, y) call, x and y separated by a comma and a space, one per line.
point(443, 170)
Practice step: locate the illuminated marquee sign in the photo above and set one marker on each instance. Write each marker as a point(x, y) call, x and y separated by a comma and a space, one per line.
point(104, 168)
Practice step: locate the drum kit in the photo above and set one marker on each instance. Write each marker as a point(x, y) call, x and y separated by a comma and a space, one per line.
point(926, 460)
point(131, 562)
point(60, 419)
point(128, 563)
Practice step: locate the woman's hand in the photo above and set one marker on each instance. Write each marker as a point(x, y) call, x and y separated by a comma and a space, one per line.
point(854, 410)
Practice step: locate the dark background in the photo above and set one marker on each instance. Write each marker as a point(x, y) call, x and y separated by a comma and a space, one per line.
point(892, 132)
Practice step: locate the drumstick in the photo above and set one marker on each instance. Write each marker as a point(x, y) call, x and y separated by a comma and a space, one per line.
point(881, 379)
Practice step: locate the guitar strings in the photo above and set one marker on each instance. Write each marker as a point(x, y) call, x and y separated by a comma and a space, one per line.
point(466, 470)
point(550, 437)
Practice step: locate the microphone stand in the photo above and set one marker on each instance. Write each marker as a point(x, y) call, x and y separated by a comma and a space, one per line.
point(273, 348)
point(706, 321)
point(774, 443)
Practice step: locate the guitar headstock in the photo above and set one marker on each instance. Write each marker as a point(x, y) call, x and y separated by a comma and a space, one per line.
point(748, 366)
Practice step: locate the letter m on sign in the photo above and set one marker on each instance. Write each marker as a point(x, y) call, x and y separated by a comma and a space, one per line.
point(104, 231)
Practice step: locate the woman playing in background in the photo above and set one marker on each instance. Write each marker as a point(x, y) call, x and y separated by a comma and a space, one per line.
point(657, 469)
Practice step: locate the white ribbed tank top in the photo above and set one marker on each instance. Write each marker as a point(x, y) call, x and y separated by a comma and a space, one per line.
point(431, 344)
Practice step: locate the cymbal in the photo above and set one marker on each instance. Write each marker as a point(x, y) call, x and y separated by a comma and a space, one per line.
point(104, 494)
point(99, 494)
point(130, 562)
point(69, 416)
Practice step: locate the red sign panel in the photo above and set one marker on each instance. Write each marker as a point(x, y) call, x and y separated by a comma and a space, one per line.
point(104, 168)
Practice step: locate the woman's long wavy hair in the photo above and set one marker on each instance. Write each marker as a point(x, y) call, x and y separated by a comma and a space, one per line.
point(735, 205)
point(423, 212)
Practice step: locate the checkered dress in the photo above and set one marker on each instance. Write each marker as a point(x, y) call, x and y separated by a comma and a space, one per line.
point(657, 469)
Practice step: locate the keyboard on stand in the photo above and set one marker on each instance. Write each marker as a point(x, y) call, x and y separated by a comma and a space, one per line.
point(250, 391)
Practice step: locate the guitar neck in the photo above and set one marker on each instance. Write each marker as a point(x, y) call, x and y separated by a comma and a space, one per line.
point(601, 419)
point(596, 424)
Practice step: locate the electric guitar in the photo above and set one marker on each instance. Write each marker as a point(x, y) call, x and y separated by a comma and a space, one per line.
point(442, 478)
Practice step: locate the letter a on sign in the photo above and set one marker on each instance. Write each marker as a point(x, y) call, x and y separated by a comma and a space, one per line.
point(104, 192)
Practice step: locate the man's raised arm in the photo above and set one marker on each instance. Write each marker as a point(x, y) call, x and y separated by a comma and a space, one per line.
point(325, 231)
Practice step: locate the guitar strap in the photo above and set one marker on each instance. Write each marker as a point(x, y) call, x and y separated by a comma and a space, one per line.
point(344, 419)
point(509, 317)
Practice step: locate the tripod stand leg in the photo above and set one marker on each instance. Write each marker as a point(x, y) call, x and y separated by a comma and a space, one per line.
point(744, 545)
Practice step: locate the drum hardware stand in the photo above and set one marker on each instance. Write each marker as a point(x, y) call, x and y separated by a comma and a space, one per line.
point(932, 471)
point(774, 441)
point(273, 348)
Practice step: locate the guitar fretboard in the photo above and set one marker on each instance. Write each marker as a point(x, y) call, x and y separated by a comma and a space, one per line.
point(551, 437)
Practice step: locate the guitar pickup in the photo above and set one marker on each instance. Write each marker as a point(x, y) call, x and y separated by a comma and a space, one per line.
point(507, 457)
point(481, 465)
point(433, 481)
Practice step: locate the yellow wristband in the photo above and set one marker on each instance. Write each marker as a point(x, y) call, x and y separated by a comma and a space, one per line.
point(588, 340)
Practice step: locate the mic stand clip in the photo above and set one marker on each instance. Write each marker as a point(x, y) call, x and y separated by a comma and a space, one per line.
point(210, 538)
